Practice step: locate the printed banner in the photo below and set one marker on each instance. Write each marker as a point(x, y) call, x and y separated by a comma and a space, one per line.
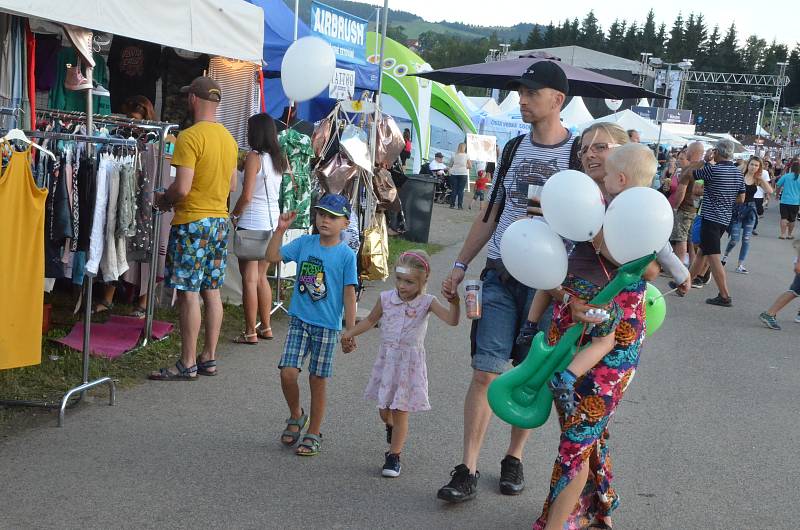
point(346, 33)
point(482, 148)
point(343, 85)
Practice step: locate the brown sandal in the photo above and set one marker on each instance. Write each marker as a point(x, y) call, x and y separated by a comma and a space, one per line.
point(264, 333)
point(245, 338)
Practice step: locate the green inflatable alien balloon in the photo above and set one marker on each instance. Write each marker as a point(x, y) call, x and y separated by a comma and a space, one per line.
point(655, 308)
point(520, 396)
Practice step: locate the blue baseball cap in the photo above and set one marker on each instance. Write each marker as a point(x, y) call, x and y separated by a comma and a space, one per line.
point(335, 205)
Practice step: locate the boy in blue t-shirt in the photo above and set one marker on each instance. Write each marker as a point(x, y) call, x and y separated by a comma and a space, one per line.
point(325, 283)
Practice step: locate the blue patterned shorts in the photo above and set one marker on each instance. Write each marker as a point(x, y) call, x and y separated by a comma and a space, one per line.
point(197, 255)
point(304, 339)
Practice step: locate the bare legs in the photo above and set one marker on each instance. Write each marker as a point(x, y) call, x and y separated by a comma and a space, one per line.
point(782, 301)
point(291, 392)
point(264, 295)
point(787, 229)
point(256, 294)
point(566, 500)
point(399, 431)
point(477, 414)
point(190, 324)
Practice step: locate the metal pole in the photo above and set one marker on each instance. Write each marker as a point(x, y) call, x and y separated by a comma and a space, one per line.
point(374, 131)
point(668, 86)
point(88, 278)
point(155, 238)
point(377, 27)
point(296, 17)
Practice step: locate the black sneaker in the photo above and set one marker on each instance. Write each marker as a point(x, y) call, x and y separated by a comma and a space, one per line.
point(706, 277)
point(720, 301)
point(391, 468)
point(698, 283)
point(462, 487)
point(512, 481)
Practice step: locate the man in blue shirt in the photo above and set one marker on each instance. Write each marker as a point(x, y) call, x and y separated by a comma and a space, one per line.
point(325, 283)
point(723, 187)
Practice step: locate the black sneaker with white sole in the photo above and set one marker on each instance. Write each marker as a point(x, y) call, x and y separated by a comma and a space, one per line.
point(391, 468)
point(720, 300)
point(512, 481)
point(698, 283)
point(463, 486)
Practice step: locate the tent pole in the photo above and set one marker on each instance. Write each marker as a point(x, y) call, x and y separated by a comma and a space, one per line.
point(374, 133)
point(296, 17)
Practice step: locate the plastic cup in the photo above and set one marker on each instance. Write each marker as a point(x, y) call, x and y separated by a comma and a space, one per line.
point(472, 298)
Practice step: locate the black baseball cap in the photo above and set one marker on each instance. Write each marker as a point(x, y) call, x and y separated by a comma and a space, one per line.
point(542, 74)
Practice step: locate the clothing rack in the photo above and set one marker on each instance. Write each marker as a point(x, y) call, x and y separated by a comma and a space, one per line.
point(164, 129)
point(81, 389)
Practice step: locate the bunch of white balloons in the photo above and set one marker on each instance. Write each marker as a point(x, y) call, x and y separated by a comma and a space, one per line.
point(638, 222)
point(307, 69)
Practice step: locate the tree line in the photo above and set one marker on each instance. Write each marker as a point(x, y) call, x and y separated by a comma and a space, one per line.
point(692, 37)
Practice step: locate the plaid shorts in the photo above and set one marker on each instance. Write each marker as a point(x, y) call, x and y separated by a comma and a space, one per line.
point(304, 339)
point(197, 255)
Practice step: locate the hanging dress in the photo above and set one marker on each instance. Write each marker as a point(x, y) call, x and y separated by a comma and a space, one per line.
point(21, 264)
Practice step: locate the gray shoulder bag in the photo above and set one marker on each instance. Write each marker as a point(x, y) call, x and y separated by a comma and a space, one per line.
point(251, 245)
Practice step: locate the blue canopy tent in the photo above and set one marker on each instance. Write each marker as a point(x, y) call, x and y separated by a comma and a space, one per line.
point(278, 36)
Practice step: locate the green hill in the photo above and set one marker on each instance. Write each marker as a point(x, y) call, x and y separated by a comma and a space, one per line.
point(414, 25)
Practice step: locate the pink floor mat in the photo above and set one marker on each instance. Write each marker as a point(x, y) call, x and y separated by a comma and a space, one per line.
point(111, 339)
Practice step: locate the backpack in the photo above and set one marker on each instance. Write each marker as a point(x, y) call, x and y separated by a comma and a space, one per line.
point(507, 158)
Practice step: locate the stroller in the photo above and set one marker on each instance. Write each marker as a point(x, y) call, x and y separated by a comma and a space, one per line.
point(442, 191)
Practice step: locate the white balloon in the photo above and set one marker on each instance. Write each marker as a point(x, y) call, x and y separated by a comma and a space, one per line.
point(573, 205)
point(638, 222)
point(534, 254)
point(307, 69)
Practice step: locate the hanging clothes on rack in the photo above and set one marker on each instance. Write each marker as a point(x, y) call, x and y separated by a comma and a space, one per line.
point(296, 186)
point(176, 72)
point(133, 67)
point(21, 263)
point(13, 70)
point(239, 83)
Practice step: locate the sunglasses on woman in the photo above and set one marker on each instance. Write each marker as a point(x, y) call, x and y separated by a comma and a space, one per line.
point(600, 147)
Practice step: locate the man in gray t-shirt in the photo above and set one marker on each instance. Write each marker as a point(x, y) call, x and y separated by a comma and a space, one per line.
point(540, 154)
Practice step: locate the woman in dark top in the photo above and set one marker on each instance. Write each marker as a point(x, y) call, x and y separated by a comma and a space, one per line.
point(746, 214)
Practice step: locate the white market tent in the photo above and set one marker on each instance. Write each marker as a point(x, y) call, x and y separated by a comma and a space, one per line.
point(510, 105)
point(576, 112)
point(627, 119)
point(738, 146)
point(233, 29)
point(467, 102)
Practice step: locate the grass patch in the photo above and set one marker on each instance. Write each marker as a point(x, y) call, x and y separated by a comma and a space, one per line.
point(398, 245)
point(62, 367)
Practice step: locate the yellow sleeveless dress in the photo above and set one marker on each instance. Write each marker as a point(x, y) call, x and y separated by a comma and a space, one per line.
point(21, 264)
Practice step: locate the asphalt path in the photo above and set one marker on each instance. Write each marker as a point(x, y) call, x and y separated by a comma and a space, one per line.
point(702, 440)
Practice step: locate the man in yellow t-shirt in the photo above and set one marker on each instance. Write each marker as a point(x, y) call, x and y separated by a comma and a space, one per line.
point(205, 158)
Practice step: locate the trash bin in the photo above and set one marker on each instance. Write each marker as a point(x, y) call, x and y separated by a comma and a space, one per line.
point(417, 198)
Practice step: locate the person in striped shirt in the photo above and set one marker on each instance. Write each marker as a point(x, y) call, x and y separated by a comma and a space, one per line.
point(723, 187)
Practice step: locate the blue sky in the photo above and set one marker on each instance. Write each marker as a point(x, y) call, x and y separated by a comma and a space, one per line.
point(768, 20)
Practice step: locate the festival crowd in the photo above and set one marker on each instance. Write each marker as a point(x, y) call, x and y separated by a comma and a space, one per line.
point(711, 195)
